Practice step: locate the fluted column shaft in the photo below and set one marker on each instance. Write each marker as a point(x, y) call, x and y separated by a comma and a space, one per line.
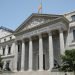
point(22, 55)
point(40, 52)
point(51, 56)
point(61, 37)
point(30, 54)
point(15, 56)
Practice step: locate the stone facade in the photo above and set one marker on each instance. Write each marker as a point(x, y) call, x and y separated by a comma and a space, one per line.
point(37, 44)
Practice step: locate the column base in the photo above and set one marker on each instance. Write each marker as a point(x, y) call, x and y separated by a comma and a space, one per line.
point(15, 71)
point(30, 70)
point(49, 70)
point(40, 70)
point(22, 71)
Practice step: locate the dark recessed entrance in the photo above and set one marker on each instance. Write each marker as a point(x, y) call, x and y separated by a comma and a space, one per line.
point(44, 61)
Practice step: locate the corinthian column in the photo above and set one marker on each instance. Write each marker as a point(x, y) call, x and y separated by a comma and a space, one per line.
point(30, 54)
point(51, 57)
point(61, 37)
point(22, 55)
point(15, 56)
point(40, 53)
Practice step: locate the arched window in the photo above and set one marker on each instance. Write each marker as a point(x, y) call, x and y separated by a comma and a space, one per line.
point(73, 17)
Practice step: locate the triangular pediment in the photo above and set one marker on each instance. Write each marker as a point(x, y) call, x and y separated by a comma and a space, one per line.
point(35, 20)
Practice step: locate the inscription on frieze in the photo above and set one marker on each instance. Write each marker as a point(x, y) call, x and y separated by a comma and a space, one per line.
point(44, 29)
point(36, 32)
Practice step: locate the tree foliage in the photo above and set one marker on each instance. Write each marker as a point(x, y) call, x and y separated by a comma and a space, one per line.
point(68, 61)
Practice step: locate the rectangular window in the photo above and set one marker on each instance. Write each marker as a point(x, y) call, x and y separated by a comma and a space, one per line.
point(73, 17)
point(3, 51)
point(9, 50)
point(74, 34)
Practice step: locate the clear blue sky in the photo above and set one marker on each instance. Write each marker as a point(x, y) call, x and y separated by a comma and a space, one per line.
point(14, 12)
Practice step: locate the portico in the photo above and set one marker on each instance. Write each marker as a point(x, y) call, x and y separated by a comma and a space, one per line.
point(38, 52)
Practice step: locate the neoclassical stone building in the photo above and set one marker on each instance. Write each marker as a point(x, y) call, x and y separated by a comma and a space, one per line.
point(37, 44)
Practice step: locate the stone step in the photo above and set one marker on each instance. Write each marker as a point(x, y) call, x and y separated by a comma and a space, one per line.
point(37, 73)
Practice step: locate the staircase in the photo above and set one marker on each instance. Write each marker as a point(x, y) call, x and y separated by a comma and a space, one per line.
point(28, 73)
point(37, 73)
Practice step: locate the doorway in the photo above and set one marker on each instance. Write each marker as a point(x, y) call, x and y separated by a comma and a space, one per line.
point(44, 61)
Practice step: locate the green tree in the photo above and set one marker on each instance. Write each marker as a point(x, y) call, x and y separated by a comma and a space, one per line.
point(68, 61)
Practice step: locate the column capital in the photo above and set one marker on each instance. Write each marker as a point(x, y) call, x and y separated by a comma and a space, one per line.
point(49, 32)
point(40, 35)
point(16, 41)
point(22, 40)
point(60, 30)
point(7, 45)
point(30, 38)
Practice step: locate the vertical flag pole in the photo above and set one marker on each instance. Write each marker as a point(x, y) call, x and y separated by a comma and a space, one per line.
point(40, 7)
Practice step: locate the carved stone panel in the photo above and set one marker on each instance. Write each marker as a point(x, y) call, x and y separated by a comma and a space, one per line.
point(34, 22)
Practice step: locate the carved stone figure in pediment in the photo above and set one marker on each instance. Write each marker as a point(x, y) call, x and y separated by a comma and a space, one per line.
point(34, 22)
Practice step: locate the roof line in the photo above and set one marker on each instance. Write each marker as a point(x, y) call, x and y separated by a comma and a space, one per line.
point(6, 29)
point(36, 14)
point(69, 12)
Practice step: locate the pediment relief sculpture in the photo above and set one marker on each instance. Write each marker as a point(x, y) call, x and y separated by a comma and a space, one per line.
point(34, 22)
